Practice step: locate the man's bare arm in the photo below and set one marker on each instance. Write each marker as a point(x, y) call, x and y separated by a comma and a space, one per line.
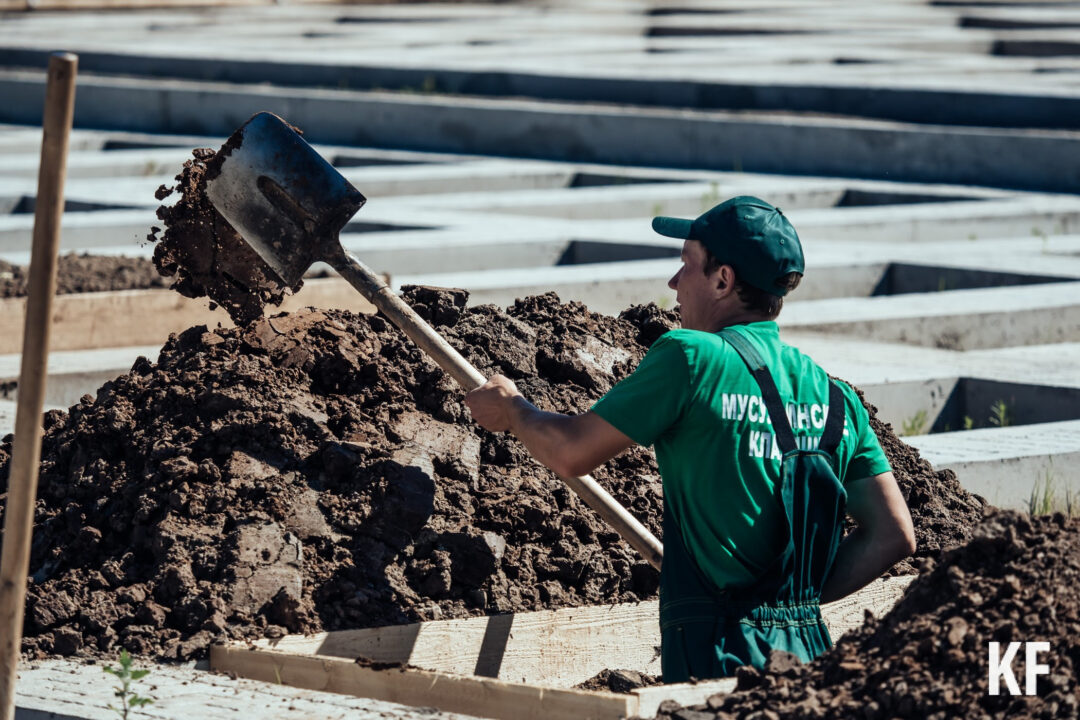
point(570, 445)
point(884, 536)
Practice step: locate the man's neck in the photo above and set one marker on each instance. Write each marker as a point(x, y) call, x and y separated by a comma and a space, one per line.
point(738, 318)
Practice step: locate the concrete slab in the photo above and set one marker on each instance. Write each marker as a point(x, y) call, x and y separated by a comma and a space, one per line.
point(534, 69)
point(8, 412)
point(1010, 466)
point(72, 374)
point(761, 142)
point(971, 319)
point(66, 690)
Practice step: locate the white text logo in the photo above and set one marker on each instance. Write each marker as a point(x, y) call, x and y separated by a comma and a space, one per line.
point(1001, 666)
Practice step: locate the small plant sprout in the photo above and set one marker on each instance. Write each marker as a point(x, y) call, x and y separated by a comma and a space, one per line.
point(129, 699)
point(914, 425)
point(999, 414)
point(1045, 498)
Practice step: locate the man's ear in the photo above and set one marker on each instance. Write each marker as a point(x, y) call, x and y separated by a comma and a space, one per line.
point(725, 280)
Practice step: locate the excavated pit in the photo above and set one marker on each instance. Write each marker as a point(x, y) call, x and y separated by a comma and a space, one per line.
point(314, 471)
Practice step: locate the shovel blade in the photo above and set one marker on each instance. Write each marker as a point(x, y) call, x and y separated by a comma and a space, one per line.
point(286, 201)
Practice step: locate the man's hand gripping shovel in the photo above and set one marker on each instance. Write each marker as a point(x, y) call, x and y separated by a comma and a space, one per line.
point(289, 205)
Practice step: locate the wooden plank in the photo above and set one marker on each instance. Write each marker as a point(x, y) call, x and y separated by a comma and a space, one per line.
point(469, 695)
point(878, 597)
point(550, 648)
point(649, 699)
point(557, 648)
point(86, 321)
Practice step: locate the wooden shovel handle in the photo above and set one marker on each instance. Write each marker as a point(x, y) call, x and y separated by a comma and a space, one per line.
point(26, 454)
point(450, 360)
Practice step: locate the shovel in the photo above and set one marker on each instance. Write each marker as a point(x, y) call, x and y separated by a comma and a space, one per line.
point(289, 205)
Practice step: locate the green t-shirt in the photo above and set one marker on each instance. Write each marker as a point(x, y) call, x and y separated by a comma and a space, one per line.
point(693, 398)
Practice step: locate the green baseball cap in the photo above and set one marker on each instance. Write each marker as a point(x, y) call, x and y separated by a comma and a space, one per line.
point(747, 233)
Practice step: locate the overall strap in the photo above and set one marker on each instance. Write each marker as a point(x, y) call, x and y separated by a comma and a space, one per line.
point(785, 438)
point(834, 422)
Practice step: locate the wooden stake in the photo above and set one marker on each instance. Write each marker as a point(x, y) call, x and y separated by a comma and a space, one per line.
point(26, 453)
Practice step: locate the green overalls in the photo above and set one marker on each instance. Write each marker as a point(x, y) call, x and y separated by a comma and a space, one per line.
point(708, 633)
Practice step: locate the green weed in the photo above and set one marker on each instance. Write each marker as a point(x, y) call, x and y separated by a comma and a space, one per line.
point(1000, 414)
point(129, 699)
point(1047, 497)
point(914, 425)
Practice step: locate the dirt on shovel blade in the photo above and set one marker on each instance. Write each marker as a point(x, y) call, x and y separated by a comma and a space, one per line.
point(201, 250)
point(315, 471)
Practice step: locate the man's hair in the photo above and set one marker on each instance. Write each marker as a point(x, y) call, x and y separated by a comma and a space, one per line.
point(755, 299)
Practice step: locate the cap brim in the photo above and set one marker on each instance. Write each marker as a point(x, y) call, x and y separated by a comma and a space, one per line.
point(672, 227)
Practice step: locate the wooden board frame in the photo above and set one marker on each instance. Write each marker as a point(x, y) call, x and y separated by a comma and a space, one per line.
point(507, 667)
point(89, 321)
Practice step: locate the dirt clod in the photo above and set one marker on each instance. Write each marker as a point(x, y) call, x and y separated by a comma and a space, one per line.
point(619, 681)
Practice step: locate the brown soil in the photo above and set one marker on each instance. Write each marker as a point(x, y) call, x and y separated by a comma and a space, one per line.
point(316, 471)
point(1018, 579)
point(619, 681)
point(85, 273)
point(202, 251)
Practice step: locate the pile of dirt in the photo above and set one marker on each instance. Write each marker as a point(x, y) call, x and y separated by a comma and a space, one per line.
point(201, 250)
point(82, 273)
point(1017, 580)
point(315, 471)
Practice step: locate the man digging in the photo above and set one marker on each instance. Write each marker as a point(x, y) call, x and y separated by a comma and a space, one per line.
point(760, 454)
